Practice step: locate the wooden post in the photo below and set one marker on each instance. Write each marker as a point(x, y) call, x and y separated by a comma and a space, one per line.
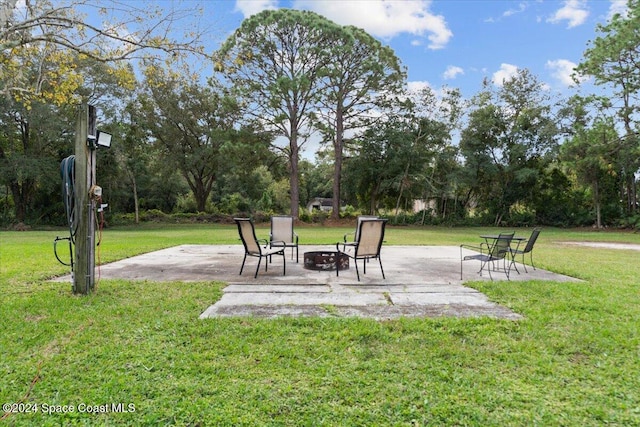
point(85, 172)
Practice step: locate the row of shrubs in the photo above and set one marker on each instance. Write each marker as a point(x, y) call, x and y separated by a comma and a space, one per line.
point(155, 215)
point(315, 217)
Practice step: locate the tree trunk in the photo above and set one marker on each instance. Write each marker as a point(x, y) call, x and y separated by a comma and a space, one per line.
point(631, 193)
point(201, 198)
point(294, 180)
point(596, 196)
point(337, 174)
point(338, 146)
point(136, 202)
point(134, 185)
point(374, 199)
point(20, 207)
point(22, 194)
point(401, 186)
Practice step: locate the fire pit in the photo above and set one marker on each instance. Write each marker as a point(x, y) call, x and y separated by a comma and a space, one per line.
point(325, 260)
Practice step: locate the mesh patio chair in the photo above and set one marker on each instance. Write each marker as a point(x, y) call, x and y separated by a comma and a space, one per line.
point(370, 237)
point(252, 246)
point(493, 250)
point(282, 234)
point(528, 249)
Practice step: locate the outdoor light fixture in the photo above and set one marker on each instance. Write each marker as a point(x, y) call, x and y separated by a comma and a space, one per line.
point(104, 139)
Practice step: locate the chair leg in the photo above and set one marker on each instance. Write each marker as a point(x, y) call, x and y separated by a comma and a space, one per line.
point(531, 255)
point(525, 265)
point(489, 267)
point(355, 261)
point(243, 260)
point(482, 264)
point(258, 267)
point(513, 264)
point(284, 264)
point(381, 269)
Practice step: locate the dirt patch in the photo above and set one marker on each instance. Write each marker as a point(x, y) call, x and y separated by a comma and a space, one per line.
point(605, 245)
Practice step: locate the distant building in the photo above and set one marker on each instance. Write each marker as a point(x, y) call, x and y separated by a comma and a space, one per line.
point(323, 204)
point(421, 205)
point(320, 204)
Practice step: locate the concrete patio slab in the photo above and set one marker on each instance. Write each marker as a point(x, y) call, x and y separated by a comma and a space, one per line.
point(421, 281)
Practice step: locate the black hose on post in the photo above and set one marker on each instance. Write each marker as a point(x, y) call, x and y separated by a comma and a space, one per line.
point(67, 173)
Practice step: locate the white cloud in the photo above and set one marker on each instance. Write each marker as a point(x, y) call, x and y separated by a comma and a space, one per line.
point(385, 19)
point(505, 73)
point(452, 72)
point(417, 86)
point(252, 7)
point(573, 11)
point(618, 6)
point(521, 8)
point(561, 70)
point(381, 18)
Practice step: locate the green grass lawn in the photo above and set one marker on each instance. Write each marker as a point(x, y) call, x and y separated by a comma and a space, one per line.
point(574, 360)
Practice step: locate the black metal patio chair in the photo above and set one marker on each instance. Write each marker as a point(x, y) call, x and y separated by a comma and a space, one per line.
point(493, 251)
point(528, 249)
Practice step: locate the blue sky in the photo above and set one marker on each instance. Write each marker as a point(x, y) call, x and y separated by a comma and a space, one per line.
point(456, 43)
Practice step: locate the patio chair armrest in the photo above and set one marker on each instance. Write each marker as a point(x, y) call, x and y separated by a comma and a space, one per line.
point(265, 241)
point(348, 234)
point(344, 245)
point(279, 242)
point(296, 236)
point(474, 248)
point(518, 243)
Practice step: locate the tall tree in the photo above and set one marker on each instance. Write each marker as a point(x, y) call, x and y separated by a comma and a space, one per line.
point(30, 140)
point(613, 59)
point(132, 153)
point(509, 133)
point(362, 76)
point(191, 123)
point(391, 162)
point(37, 130)
point(437, 117)
point(275, 61)
point(591, 152)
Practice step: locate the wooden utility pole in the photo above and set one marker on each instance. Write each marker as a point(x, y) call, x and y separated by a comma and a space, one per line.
point(85, 172)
